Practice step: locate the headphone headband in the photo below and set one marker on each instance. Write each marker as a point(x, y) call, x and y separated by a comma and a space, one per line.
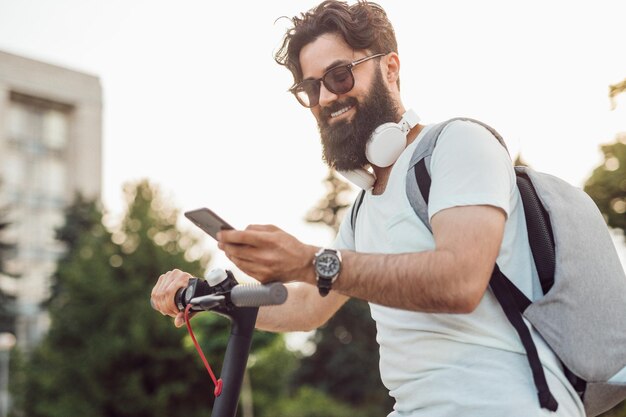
point(409, 120)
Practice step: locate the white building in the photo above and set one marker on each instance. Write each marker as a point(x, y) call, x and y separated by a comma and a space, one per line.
point(50, 148)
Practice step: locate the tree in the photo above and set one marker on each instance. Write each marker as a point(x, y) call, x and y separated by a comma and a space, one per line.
point(271, 370)
point(615, 90)
point(607, 184)
point(5, 247)
point(345, 362)
point(107, 352)
point(330, 209)
point(83, 216)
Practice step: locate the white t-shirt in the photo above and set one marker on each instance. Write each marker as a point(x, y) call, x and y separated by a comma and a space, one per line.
point(457, 364)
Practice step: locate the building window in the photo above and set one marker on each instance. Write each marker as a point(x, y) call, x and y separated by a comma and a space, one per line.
point(35, 174)
point(54, 129)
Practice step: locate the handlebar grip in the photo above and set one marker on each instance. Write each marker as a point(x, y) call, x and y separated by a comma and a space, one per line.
point(177, 299)
point(200, 288)
point(256, 295)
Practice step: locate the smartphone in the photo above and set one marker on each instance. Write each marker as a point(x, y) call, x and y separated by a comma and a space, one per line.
point(208, 221)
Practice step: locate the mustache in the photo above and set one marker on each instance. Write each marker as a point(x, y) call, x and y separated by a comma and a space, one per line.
point(325, 112)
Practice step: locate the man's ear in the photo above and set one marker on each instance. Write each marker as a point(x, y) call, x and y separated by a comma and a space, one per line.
point(391, 63)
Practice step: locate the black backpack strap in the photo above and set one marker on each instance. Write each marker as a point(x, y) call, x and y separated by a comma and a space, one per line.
point(500, 285)
point(420, 161)
point(355, 209)
point(423, 179)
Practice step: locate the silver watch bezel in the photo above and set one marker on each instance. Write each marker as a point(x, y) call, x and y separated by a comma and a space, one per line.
point(318, 255)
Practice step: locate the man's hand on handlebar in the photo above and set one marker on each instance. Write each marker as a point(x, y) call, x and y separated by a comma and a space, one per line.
point(164, 291)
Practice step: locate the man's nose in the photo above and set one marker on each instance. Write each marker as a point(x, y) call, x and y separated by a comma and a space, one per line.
point(326, 96)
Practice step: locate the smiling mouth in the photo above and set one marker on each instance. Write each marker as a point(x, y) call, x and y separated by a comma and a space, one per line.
point(340, 112)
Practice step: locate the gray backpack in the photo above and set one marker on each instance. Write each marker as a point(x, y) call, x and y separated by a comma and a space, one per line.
point(582, 314)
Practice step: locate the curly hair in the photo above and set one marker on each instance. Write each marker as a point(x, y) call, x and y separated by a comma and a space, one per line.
point(364, 26)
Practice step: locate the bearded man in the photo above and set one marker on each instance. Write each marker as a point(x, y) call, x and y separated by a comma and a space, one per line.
point(446, 347)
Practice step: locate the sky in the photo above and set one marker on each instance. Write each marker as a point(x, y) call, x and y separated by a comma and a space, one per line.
point(194, 102)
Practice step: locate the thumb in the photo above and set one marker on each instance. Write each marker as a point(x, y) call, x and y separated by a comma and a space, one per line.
point(179, 320)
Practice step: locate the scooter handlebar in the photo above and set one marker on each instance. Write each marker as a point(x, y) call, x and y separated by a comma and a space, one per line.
point(256, 295)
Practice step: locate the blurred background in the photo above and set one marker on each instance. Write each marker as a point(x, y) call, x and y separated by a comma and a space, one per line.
point(117, 116)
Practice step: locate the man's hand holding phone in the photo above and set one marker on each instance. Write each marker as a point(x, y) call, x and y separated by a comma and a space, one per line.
point(264, 252)
point(267, 253)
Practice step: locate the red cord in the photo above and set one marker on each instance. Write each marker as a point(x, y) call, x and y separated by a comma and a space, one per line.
point(217, 382)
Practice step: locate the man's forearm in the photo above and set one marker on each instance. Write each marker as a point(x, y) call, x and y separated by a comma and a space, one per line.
point(452, 278)
point(304, 310)
point(426, 281)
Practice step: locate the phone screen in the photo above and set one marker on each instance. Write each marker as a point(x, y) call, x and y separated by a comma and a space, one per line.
point(208, 221)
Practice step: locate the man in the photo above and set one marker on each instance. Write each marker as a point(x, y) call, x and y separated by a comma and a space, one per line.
point(446, 348)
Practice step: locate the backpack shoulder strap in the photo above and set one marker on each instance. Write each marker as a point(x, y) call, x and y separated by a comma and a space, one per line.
point(355, 209)
point(418, 174)
point(537, 220)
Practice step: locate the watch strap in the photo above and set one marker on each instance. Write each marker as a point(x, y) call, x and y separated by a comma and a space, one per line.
point(324, 285)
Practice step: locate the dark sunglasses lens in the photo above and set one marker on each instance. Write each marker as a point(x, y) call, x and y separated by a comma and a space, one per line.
point(339, 80)
point(308, 93)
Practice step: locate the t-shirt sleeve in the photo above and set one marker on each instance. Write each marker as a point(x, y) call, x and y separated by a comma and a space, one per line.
point(470, 167)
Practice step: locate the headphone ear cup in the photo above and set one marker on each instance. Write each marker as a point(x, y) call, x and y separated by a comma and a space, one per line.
point(362, 178)
point(385, 145)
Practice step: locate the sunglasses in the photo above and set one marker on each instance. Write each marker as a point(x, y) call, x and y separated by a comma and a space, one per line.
point(337, 80)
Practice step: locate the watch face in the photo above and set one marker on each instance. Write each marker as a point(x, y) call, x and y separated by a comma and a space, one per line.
point(327, 265)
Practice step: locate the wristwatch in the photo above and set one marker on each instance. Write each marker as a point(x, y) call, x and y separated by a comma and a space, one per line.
point(327, 263)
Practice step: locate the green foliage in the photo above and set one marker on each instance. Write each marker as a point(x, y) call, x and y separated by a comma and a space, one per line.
point(607, 184)
point(275, 395)
point(309, 402)
point(82, 216)
point(615, 90)
point(107, 352)
point(271, 372)
point(5, 247)
point(331, 208)
point(16, 378)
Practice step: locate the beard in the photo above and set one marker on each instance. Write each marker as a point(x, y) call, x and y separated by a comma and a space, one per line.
point(344, 142)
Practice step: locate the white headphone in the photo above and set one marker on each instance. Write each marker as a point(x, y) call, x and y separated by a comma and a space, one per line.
point(383, 149)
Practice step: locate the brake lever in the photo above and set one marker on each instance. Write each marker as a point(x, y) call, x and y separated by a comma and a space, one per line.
point(207, 302)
